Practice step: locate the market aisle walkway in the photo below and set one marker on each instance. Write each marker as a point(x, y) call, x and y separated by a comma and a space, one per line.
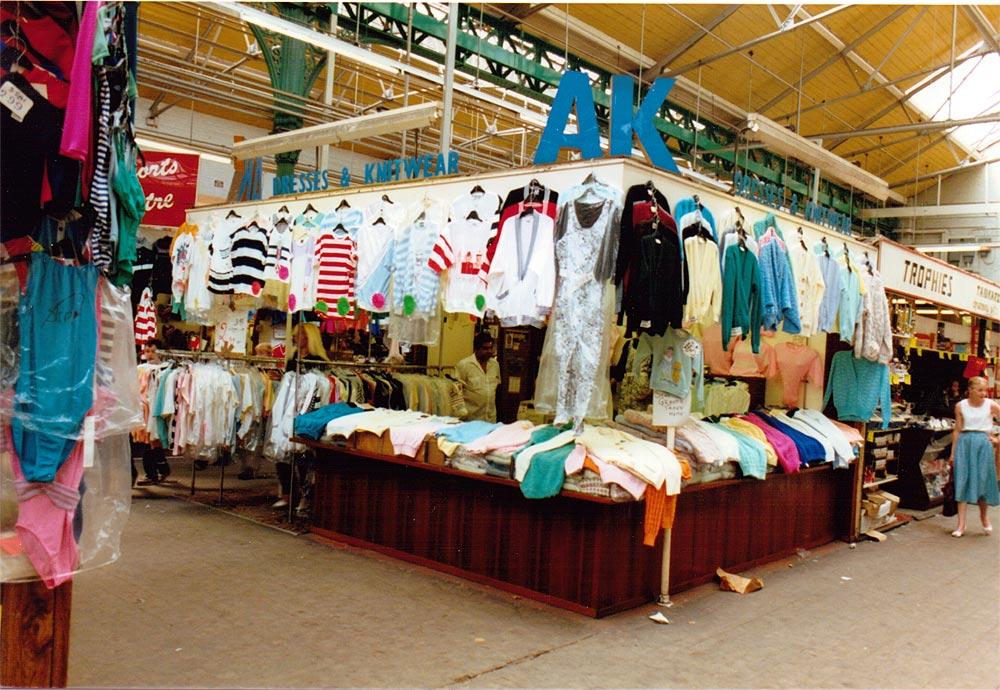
point(202, 598)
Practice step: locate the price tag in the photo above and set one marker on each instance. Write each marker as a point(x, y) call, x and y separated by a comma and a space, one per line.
point(645, 324)
point(669, 410)
point(15, 100)
point(88, 441)
point(692, 348)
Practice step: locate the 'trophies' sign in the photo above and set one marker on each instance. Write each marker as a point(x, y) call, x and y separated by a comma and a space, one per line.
point(909, 272)
point(170, 183)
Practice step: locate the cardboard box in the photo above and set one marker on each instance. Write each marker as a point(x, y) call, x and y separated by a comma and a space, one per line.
point(369, 442)
point(432, 454)
point(886, 502)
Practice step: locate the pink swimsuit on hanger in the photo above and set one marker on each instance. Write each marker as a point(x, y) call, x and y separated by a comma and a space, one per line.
point(45, 516)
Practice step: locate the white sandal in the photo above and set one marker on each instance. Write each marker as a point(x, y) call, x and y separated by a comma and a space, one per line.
point(957, 533)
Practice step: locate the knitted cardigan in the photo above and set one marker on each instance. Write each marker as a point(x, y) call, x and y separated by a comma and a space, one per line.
point(779, 297)
point(857, 387)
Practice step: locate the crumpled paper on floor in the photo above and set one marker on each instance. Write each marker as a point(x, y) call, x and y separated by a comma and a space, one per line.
point(737, 583)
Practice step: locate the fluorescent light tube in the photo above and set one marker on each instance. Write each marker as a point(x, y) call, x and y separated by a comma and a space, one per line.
point(349, 129)
point(762, 130)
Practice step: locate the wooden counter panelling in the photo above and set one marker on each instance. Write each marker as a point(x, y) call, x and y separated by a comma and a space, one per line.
point(581, 553)
point(740, 523)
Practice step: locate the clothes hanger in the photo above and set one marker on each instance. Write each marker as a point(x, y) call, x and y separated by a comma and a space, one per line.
point(342, 204)
point(232, 214)
point(386, 199)
point(801, 238)
point(473, 216)
point(380, 220)
point(826, 248)
point(478, 190)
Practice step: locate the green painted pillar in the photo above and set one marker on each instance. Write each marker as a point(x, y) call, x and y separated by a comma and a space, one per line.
point(293, 67)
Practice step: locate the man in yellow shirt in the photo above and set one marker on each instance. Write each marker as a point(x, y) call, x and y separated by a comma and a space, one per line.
point(480, 376)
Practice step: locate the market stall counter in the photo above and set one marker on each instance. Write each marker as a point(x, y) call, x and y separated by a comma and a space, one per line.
point(580, 552)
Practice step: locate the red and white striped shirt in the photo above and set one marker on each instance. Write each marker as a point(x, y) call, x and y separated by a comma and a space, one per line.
point(458, 256)
point(145, 319)
point(336, 267)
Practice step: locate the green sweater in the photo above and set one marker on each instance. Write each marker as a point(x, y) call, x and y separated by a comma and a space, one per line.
point(741, 296)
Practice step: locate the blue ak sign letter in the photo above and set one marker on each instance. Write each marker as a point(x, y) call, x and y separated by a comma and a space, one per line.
point(624, 124)
point(574, 88)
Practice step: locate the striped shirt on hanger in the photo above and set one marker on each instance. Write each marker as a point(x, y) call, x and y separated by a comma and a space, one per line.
point(145, 319)
point(101, 248)
point(248, 255)
point(337, 264)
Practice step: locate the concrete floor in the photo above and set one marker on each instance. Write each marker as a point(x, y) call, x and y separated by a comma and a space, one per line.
point(202, 598)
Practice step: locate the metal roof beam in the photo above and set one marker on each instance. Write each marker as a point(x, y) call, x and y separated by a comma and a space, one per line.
point(931, 144)
point(690, 42)
point(154, 109)
point(524, 10)
point(816, 71)
point(895, 46)
point(932, 126)
point(830, 37)
point(946, 171)
point(940, 211)
point(810, 20)
point(893, 82)
point(982, 24)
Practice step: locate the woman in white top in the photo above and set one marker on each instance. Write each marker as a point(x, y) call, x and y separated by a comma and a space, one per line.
point(973, 462)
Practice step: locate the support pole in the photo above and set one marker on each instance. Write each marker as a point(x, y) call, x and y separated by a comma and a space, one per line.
point(664, 599)
point(449, 77)
point(331, 63)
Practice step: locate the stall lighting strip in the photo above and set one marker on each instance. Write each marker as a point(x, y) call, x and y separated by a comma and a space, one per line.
point(349, 129)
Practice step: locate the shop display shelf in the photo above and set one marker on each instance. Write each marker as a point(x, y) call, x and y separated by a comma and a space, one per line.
point(879, 482)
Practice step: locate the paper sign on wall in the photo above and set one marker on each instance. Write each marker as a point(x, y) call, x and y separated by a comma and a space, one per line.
point(669, 410)
point(231, 332)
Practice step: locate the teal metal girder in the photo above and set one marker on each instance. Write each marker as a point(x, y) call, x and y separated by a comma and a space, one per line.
point(519, 62)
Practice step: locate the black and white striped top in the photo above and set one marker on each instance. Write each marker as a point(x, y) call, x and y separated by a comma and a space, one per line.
point(102, 249)
point(220, 265)
point(249, 252)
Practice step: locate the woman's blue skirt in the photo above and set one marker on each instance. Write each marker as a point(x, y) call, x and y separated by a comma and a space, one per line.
point(975, 469)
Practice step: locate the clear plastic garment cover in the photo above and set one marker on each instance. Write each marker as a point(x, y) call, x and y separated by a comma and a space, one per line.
point(68, 400)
